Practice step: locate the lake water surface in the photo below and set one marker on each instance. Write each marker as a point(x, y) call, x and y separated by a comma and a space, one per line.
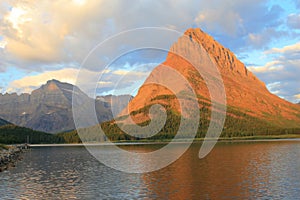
point(233, 170)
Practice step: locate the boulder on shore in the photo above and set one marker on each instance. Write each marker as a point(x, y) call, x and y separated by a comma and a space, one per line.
point(9, 156)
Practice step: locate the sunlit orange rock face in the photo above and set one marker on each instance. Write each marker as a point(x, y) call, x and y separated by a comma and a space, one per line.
point(244, 90)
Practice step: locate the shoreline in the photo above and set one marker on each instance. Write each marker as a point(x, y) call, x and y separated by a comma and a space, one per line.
point(263, 138)
point(9, 155)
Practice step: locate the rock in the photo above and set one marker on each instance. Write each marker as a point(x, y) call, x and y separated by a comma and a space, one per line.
point(9, 157)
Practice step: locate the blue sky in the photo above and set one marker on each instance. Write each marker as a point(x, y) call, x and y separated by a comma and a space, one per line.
point(50, 39)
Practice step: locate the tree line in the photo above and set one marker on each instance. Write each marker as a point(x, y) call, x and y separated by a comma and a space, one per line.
point(237, 124)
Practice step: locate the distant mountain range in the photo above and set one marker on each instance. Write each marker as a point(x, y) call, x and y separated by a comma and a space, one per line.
point(49, 108)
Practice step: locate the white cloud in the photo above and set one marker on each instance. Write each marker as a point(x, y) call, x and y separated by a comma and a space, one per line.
point(68, 75)
point(294, 21)
point(131, 73)
point(106, 83)
point(27, 84)
point(237, 18)
point(284, 50)
point(105, 80)
point(121, 72)
point(282, 73)
point(80, 2)
point(297, 96)
point(262, 39)
point(274, 87)
point(125, 78)
point(268, 68)
point(38, 31)
point(65, 31)
point(17, 17)
point(220, 19)
point(3, 44)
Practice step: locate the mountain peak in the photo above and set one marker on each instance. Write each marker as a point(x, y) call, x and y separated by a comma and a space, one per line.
point(225, 59)
point(57, 86)
point(52, 85)
point(53, 81)
point(196, 48)
point(58, 83)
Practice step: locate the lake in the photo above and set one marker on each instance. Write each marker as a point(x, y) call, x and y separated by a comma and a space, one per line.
point(233, 170)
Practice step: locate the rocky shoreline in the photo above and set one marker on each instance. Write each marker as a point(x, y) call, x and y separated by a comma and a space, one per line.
point(9, 156)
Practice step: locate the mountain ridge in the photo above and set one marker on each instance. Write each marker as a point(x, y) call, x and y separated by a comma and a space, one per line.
point(247, 97)
point(48, 108)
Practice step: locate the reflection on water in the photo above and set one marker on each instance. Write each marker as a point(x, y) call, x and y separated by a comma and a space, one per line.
point(245, 170)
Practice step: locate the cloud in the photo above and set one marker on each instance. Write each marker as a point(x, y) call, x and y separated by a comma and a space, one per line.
point(268, 68)
point(106, 80)
point(65, 31)
point(106, 83)
point(293, 21)
point(28, 83)
point(210, 19)
point(3, 44)
point(275, 87)
point(297, 96)
point(38, 32)
point(262, 39)
point(283, 89)
point(289, 49)
point(245, 25)
point(282, 73)
point(124, 80)
point(237, 17)
point(131, 73)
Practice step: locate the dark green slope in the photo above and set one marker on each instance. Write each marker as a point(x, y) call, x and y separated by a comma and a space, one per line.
point(12, 134)
point(237, 124)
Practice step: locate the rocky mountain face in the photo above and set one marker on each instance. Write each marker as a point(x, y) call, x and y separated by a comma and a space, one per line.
point(49, 108)
point(245, 93)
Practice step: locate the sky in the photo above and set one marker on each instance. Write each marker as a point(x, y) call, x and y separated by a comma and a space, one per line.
point(50, 39)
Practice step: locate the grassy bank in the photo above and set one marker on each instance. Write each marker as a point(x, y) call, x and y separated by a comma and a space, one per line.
point(263, 137)
point(2, 146)
point(258, 137)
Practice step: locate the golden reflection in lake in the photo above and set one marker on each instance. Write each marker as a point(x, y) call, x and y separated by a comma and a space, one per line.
point(237, 170)
point(241, 170)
